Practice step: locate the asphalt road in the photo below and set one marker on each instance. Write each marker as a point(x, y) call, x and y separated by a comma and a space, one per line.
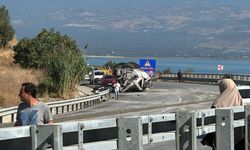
point(163, 97)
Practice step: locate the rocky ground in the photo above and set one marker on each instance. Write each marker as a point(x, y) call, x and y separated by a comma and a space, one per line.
point(84, 90)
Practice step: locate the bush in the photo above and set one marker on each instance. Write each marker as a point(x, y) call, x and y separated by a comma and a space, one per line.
point(189, 70)
point(58, 56)
point(110, 64)
point(168, 70)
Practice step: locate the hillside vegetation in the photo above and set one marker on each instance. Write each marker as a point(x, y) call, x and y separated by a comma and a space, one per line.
point(12, 76)
point(51, 60)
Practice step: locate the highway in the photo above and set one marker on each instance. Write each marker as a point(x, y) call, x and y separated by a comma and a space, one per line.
point(163, 97)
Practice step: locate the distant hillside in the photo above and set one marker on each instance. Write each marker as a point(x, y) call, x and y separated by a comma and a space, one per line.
point(11, 78)
point(183, 28)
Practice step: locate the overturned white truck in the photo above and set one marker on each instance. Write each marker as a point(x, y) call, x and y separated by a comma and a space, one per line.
point(133, 79)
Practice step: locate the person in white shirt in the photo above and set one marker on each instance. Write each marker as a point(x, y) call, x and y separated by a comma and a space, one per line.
point(117, 87)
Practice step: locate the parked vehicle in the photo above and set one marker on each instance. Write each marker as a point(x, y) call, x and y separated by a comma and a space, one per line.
point(96, 76)
point(108, 80)
point(87, 77)
point(85, 80)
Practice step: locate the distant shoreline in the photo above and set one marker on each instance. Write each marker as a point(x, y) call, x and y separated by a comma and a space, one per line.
point(196, 64)
point(177, 58)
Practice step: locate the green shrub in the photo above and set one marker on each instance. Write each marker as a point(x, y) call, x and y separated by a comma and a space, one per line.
point(168, 70)
point(63, 63)
point(110, 64)
point(189, 70)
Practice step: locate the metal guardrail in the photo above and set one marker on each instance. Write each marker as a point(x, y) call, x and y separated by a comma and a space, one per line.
point(79, 103)
point(206, 78)
point(132, 133)
point(59, 106)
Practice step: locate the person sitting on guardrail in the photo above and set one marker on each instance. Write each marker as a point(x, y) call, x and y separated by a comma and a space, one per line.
point(229, 94)
point(229, 97)
point(31, 111)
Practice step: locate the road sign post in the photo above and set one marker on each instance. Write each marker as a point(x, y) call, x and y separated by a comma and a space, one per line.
point(220, 68)
point(148, 65)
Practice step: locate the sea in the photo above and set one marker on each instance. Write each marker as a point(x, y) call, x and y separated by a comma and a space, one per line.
point(194, 65)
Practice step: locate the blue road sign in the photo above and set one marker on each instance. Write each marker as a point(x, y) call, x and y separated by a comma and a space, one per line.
point(148, 65)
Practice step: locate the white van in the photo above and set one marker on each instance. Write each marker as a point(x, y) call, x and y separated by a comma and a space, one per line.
point(96, 76)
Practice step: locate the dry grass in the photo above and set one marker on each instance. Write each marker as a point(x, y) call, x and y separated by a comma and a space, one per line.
point(12, 76)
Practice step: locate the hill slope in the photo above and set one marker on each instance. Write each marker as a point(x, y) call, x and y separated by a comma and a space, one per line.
point(11, 78)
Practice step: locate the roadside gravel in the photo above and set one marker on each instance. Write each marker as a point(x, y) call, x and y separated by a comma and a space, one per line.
point(84, 91)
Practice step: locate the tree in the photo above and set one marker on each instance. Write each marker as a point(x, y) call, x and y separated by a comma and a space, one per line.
point(6, 30)
point(58, 56)
point(127, 65)
point(110, 64)
point(168, 70)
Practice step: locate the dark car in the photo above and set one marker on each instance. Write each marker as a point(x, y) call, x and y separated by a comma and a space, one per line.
point(108, 80)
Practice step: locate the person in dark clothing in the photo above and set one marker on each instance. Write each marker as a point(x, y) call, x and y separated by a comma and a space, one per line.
point(179, 74)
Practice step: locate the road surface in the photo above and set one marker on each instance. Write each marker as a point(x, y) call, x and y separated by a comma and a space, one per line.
point(163, 97)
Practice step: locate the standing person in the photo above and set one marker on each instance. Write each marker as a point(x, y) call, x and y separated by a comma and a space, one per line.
point(179, 74)
point(229, 97)
point(31, 111)
point(117, 87)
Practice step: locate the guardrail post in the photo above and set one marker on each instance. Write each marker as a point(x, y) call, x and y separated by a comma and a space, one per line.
point(130, 134)
point(57, 110)
point(57, 137)
point(186, 130)
point(224, 129)
point(247, 127)
point(150, 119)
point(67, 108)
point(80, 136)
point(62, 109)
point(42, 135)
point(12, 117)
point(33, 137)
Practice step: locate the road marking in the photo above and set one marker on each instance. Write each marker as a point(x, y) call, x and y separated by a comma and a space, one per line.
point(179, 101)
